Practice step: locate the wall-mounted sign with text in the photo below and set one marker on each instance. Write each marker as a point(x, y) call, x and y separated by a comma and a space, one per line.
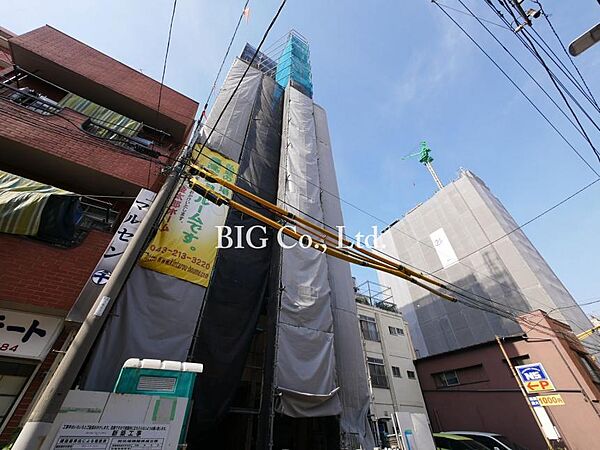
point(27, 335)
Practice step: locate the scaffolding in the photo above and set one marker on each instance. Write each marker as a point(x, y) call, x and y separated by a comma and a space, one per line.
point(294, 64)
point(375, 294)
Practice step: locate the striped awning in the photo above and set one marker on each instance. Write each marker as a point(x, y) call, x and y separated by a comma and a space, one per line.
point(22, 202)
point(102, 116)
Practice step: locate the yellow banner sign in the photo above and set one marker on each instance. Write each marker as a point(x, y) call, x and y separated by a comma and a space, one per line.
point(551, 400)
point(185, 245)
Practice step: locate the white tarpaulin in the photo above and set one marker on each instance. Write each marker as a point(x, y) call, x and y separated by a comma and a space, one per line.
point(350, 363)
point(230, 132)
point(305, 376)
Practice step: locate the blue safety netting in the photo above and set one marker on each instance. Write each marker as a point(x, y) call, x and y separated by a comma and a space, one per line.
point(294, 65)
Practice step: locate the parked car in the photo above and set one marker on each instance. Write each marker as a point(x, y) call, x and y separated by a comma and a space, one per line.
point(493, 441)
point(447, 441)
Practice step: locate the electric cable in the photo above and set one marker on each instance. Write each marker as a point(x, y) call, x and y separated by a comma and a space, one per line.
point(393, 230)
point(164, 71)
point(342, 200)
point(569, 57)
point(520, 90)
point(214, 85)
point(283, 2)
point(219, 199)
point(472, 14)
point(555, 80)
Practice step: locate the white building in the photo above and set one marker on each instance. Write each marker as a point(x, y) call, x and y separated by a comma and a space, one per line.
point(397, 405)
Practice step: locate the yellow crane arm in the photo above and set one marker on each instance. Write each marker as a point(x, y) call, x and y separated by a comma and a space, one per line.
point(587, 333)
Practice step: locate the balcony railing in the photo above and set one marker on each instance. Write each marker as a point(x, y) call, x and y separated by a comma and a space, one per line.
point(375, 294)
point(134, 143)
point(100, 122)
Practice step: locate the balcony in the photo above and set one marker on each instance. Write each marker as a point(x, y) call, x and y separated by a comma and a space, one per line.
point(69, 63)
point(62, 139)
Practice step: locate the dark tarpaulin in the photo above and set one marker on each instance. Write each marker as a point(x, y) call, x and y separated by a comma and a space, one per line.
point(239, 282)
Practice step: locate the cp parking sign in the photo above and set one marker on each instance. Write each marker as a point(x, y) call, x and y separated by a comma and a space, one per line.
point(534, 378)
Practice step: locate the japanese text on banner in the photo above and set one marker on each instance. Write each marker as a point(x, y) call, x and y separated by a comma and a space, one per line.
point(185, 245)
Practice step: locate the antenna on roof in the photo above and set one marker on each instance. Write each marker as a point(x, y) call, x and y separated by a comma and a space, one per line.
point(426, 159)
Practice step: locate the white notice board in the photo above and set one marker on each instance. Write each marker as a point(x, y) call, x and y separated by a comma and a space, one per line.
point(107, 436)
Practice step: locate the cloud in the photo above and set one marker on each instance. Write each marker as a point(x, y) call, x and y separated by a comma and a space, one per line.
point(432, 66)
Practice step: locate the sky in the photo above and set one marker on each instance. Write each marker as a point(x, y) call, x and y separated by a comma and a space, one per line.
point(390, 74)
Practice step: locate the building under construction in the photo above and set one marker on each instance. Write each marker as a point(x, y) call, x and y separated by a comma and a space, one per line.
point(465, 236)
point(275, 328)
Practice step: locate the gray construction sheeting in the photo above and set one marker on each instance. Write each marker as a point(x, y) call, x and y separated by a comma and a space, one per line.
point(350, 363)
point(305, 373)
point(150, 319)
point(230, 132)
point(510, 270)
point(158, 296)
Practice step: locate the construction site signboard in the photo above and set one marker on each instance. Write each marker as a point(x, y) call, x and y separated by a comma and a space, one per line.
point(185, 245)
point(534, 378)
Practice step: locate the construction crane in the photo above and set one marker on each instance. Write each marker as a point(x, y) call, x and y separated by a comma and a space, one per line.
point(426, 159)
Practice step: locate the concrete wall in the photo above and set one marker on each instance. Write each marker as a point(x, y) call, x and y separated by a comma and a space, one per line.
point(396, 350)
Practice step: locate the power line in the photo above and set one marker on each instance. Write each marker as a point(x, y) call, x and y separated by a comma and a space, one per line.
point(519, 89)
point(504, 27)
point(532, 49)
point(470, 13)
point(547, 49)
point(214, 85)
point(555, 81)
point(570, 58)
point(245, 73)
point(533, 219)
point(354, 206)
point(405, 263)
point(473, 301)
point(164, 71)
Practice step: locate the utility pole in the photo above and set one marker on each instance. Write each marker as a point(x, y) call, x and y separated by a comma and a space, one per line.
point(516, 377)
point(426, 159)
point(44, 413)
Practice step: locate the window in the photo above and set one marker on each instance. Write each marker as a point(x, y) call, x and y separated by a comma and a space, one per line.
point(377, 373)
point(520, 360)
point(368, 327)
point(410, 374)
point(13, 378)
point(30, 99)
point(396, 372)
point(449, 378)
point(394, 331)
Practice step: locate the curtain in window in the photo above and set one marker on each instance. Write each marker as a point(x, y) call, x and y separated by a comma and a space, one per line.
point(102, 116)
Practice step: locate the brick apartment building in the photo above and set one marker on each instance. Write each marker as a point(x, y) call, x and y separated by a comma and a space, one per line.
point(71, 118)
point(473, 389)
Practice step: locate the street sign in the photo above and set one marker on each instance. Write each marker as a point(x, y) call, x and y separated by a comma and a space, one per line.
point(551, 400)
point(534, 378)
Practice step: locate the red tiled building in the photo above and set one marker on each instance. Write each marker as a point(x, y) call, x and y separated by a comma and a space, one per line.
point(71, 146)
